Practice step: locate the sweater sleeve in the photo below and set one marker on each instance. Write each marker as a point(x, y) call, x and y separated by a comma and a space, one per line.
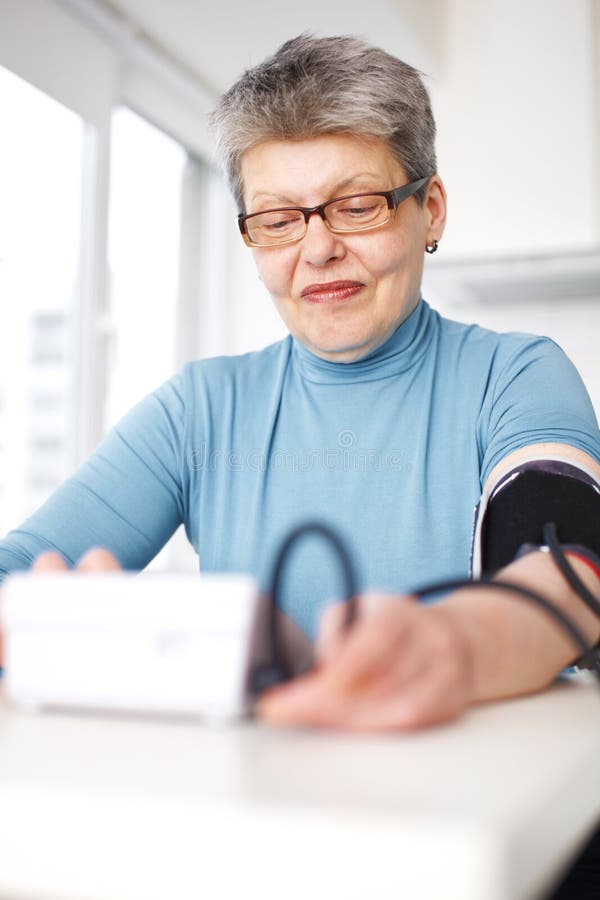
point(537, 397)
point(129, 497)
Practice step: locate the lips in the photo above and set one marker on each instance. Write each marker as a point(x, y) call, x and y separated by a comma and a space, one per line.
point(331, 291)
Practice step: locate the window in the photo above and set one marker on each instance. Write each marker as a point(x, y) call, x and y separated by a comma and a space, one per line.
point(41, 166)
point(144, 239)
point(80, 171)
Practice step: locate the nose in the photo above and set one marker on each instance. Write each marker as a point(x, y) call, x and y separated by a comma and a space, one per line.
point(320, 245)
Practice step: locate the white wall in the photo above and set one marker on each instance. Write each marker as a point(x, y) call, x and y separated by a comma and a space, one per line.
point(516, 107)
point(518, 112)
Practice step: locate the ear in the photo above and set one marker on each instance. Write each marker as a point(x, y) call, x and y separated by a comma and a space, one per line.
point(435, 208)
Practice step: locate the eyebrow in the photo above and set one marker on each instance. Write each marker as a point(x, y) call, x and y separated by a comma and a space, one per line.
point(339, 186)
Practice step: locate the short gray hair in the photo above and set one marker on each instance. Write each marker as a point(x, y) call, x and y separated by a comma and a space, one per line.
point(313, 86)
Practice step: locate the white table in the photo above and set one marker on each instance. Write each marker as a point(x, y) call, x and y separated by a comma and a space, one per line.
point(488, 808)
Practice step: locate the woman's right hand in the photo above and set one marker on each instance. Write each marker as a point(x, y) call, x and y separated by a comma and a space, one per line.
point(96, 560)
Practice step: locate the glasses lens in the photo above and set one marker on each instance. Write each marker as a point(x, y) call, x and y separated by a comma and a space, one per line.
point(275, 226)
point(357, 213)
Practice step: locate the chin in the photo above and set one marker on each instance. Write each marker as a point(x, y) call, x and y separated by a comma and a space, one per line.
point(338, 350)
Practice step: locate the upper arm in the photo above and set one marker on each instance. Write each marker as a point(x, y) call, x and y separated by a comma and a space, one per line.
point(537, 407)
point(538, 411)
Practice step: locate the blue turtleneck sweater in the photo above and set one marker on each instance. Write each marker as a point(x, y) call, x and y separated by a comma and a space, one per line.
point(392, 449)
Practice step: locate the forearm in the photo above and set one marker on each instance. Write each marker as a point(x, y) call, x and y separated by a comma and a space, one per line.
point(517, 647)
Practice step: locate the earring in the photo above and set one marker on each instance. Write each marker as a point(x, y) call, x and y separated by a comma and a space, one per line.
point(431, 248)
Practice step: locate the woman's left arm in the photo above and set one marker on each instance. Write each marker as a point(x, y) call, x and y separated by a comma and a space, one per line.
point(405, 665)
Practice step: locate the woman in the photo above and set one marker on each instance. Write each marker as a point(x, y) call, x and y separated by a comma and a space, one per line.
point(375, 413)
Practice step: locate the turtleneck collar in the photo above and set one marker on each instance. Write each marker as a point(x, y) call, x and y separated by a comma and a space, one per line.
point(401, 351)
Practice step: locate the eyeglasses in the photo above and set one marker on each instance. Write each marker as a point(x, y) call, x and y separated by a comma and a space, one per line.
point(356, 212)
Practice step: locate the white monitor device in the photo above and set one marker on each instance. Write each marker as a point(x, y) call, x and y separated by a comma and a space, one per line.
point(145, 643)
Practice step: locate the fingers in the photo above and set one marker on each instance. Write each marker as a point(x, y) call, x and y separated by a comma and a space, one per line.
point(324, 698)
point(403, 666)
point(331, 631)
point(49, 562)
point(306, 704)
point(379, 640)
point(332, 626)
point(98, 560)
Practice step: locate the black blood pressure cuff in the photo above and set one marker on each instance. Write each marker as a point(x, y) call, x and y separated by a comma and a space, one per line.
point(510, 518)
point(515, 510)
